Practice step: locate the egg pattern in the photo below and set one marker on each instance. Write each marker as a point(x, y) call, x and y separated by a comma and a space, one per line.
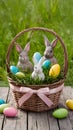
point(46, 64)
point(14, 69)
point(36, 57)
point(20, 75)
point(69, 104)
point(60, 113)
point(54, 71)
point(2, 107)
point(10, 112)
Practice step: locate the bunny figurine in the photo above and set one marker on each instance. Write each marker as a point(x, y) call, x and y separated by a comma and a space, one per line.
point(24, 63)
point(48, 53)
point(38, 71)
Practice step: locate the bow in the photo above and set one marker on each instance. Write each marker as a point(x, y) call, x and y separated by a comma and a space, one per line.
point(40, 93)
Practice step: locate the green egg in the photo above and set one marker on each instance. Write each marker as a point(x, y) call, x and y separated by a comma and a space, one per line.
point(20, 75)
point(60, 113)
point(2, 107)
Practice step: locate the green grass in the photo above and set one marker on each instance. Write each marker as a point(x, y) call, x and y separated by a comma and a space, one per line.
point(4, 84)
point(18, 15)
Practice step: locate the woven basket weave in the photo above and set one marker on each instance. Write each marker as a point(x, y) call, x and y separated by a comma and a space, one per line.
point(35, 103)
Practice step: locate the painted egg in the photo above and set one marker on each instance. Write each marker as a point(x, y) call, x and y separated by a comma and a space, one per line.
point(54, 71)
point(2, 107)
point(69, 104)
point(14, 69)
point(10, 112)
point(20, 75)
point(36, 57)
point(46, 64)
point(60, 113)
point(2, 101)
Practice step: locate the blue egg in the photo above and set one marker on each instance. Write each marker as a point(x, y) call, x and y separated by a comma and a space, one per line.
point(46, 64)
point(14, 69)
point(2, 101)
point(36, 57)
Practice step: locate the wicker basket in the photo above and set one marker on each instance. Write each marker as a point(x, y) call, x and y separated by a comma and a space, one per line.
point(35, 101)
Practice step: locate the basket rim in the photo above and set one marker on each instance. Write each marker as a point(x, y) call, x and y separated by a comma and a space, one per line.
point(36, 86)
point(37, 29)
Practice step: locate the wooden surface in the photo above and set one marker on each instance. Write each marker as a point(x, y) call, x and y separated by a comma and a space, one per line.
point(36, 121)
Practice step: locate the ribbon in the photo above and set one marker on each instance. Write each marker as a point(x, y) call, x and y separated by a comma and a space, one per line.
point(41, 93)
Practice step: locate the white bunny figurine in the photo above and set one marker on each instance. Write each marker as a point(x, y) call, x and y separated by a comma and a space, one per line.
point(23, 62)
point(48, 53)
point(38, 71)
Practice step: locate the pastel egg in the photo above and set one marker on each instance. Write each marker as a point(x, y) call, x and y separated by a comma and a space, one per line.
point(2, 101)
point(60, 113)
point(54, 71)
point(46, 64)
point(36, 57)
point(69, 104)
point(20, 75)
point(10, 112)
point(14, 69)
point(2, 107)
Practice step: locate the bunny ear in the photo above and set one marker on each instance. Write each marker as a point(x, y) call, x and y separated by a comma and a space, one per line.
point(47, 42)
point(18, 48)
point(27, 47)
point(54, 42)
point(41, 60)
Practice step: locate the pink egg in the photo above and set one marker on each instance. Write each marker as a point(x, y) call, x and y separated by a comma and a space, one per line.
point(10, 112)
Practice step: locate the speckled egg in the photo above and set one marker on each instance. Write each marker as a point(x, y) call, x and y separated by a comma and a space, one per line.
point(69, 103)
point(2, 101)
point(46, 64)
point(2, 107)
point(60, 113)
point(14, 69)
point(20, 75)
point(54, 71)
point(36, 57)
point(10, 112)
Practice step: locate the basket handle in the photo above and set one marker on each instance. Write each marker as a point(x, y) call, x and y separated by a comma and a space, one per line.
point(35, 29)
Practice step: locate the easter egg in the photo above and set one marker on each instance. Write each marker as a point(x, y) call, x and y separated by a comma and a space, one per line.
point(46, 64)
point(54, 71)
point(69, 103)
point(60, 113)
point(2, 101)
point(20, 75)
point(14, 69)
point(3, 106)
point(10, 112)
point(36, 57)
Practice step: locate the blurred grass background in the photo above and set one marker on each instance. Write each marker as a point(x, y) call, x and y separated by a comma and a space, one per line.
point(16, 15)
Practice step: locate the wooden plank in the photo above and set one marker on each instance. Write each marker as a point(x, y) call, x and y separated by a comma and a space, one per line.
point(71, 117)
point(3, 95)
point(38, 121)
point(42, 121)
point(32, 121)
point(53, 123)
point(4, 92)
point(69, 95)
point(65, 124)
point(18, 123)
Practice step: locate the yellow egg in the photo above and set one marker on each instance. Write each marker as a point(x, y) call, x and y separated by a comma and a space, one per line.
point(54, 71)
point(69, 104)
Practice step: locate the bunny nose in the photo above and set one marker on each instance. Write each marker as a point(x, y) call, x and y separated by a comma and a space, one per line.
point(46, 55)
